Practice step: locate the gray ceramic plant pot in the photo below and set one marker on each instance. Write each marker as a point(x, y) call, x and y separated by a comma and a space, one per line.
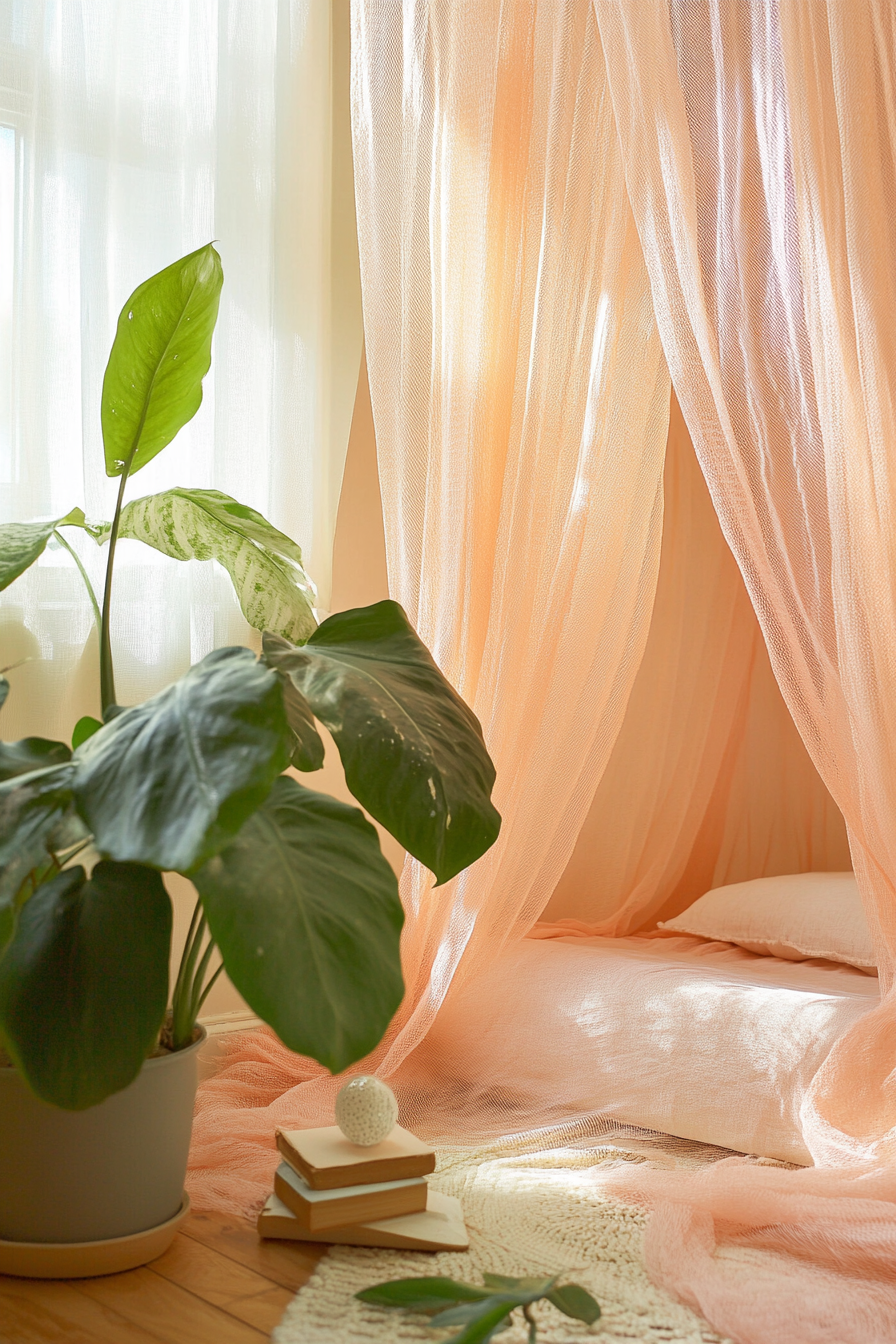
point(110, 1171)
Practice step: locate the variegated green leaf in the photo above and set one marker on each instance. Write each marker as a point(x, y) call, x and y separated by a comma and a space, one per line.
point(265, 565)
point(23, 543)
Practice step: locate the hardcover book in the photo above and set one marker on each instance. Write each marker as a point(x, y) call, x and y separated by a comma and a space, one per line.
point(321, 1210)
point(439, 1228)
point(328, 1161)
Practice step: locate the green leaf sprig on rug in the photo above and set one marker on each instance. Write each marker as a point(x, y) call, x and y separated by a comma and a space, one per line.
point(482, 1312)
point(293, 889)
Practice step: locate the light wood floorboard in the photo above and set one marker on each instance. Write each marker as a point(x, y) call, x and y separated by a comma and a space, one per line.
point(216, 1284)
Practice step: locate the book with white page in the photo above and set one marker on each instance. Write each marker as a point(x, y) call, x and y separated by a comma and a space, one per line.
point(327, 1159)
point(320, 1210)
point(439, 1228)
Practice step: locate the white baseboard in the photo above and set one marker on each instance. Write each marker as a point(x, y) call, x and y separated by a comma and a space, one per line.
point(218, 1025)
point(241, 1019)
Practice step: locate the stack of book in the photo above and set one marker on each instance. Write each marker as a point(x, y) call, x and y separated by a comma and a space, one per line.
point(328, 1189)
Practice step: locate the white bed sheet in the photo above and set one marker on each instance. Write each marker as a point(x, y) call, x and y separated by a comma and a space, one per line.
point(702, 1040)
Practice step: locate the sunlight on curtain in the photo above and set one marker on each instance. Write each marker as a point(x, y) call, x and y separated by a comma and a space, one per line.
point(521, 407)
point(130, 135)
point(760, 150)
point(523, 453)
point(709, 781)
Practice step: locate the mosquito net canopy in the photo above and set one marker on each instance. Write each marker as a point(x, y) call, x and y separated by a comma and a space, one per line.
point(678, 631)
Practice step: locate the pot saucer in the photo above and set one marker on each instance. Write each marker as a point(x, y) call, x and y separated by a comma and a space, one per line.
point(88, 1259)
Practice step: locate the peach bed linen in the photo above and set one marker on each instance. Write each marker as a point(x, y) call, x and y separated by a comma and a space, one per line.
point(702, 1040)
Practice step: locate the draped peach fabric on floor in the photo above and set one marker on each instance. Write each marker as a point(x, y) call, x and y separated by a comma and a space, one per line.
point(550, 198)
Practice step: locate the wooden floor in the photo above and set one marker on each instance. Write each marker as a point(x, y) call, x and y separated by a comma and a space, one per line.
point(217, 1284)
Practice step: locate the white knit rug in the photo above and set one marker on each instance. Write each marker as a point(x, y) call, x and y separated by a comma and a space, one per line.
point(530, 1212)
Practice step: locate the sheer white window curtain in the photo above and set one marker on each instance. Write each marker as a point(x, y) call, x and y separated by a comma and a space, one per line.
point(131, 134)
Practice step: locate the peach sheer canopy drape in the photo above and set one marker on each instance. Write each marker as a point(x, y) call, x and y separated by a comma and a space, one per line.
point(760, 144)
point(521, 403)
point(552, 198)
point(760, 149)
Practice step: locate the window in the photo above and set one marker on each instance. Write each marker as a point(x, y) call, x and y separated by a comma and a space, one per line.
point(129, 135)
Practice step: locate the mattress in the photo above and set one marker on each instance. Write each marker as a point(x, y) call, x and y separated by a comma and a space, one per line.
point(676, 1034)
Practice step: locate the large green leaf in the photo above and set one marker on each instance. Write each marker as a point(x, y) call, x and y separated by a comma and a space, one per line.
point(31, 808)
point(423, 1294)
point(170, 781)
point(84, 983)
point(412, 750)
point(265, 565)
point(305, 911)
point(22, 543)
point(30, 753)
point(161, 353)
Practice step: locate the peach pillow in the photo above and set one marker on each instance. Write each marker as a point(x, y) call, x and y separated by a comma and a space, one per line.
point(798, 916)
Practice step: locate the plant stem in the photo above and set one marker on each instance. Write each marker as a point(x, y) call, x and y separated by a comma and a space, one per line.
point(182, 968)
point(181, 1027)
point(533, 1328)
point(208, 989)
point(196, 987)
point(189, 994)
point(84, 575)
point(107, 671)
point(66, 857)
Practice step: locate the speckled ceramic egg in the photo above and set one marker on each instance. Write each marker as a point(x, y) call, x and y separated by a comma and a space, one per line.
point(366, 1111)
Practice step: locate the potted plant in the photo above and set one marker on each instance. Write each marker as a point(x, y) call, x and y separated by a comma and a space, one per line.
point(293, 889)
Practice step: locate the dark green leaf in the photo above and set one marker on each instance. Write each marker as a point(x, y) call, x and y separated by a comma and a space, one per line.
point(479, 1332)
point(424, 1294)
point(31, 807)
point(84, 983)
point(305, 911)
point(4, 691)
point(574, 1301)
point(170, 781)
point(475, 1311)
point(412, 750)
point(84, 728)
point(308, 749)
point(265, 565)
point(67, 832)
point(31, 753)
point(161, 353)
point(22, 543)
